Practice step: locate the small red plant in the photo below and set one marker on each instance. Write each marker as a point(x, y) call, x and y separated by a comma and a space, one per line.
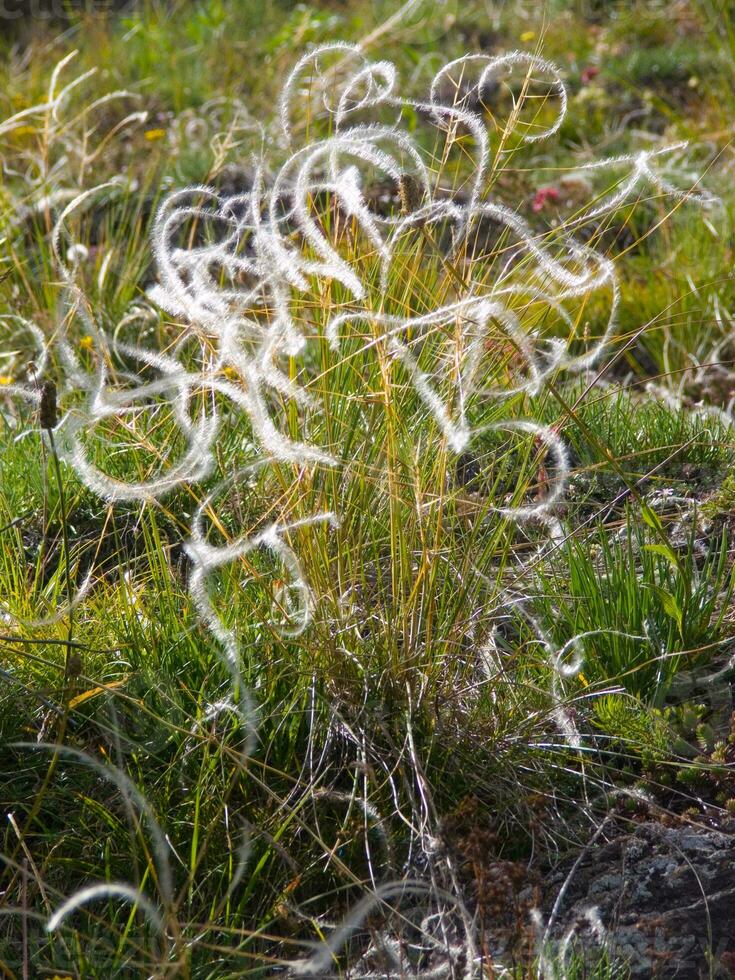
point(543, 195)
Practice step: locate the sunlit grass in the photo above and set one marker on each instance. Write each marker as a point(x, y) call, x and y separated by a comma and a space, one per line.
point(426, 676)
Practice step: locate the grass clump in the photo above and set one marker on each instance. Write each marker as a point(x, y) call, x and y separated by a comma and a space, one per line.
point(649, 611)
point(347, 524)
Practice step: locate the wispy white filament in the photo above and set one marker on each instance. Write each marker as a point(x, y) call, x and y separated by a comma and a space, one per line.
point(103, 892)
point(234, 271)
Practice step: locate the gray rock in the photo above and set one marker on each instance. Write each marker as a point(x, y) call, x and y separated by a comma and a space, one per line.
point(665, 895)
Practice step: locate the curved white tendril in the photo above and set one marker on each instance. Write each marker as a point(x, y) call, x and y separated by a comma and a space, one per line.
point(234, 269)
point(105, 891)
